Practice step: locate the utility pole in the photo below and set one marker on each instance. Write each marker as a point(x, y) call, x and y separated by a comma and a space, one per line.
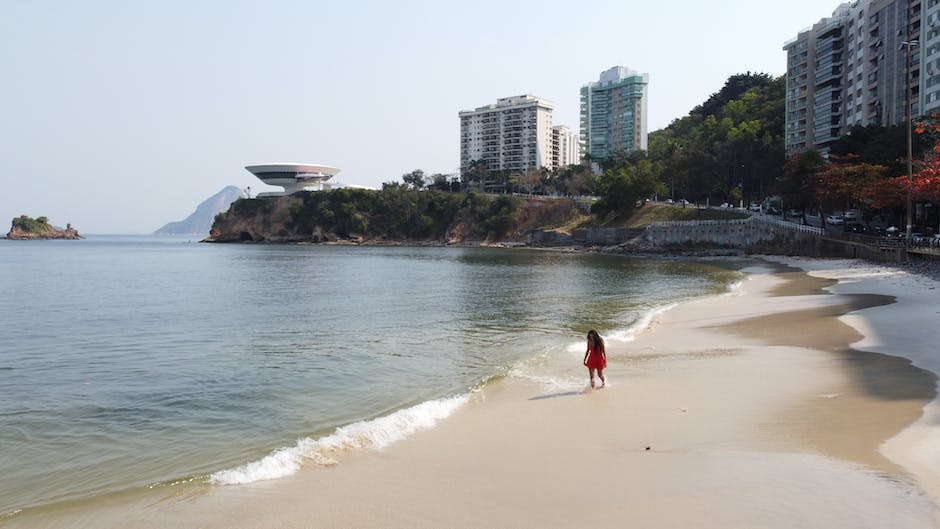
point(907, 45)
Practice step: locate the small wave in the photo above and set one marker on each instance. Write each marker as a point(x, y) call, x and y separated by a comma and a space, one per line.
point(375, 434)
point(630, 333)
point(8, 515)
point(548, 382)
point(734, 289)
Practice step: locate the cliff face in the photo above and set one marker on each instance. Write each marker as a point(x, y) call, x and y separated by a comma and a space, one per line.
point(382, 218)
point(270, 221)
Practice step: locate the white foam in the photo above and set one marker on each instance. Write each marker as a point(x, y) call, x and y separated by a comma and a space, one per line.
point(364, 435)
point(735, 289)
point(630, 333)
point(548, 382)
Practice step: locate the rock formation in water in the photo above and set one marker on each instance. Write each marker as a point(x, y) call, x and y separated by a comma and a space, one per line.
point(25, 228)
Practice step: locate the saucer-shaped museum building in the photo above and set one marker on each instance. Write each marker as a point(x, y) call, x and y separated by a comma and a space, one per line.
point(293, 177)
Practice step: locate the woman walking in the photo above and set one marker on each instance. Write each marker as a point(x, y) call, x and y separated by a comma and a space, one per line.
point(595, 358)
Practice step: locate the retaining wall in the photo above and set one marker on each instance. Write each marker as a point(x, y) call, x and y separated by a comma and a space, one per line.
point(764, 236)
point(755, 235)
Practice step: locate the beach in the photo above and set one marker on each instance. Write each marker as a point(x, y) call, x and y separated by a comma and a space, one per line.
point(796, 400)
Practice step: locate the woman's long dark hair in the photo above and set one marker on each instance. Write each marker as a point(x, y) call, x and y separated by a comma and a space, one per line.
point(596, 340)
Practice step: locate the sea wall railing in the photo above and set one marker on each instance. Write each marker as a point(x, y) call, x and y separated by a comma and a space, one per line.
point(739, 233)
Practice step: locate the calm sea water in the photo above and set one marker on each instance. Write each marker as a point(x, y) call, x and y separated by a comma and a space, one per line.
point(131, 362)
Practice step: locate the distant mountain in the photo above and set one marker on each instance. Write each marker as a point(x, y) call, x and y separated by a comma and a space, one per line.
point(200, 221)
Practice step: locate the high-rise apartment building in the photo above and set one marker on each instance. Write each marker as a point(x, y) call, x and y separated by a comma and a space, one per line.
point(613, 113)
point(930, 57)
point(514, 135)
point(855, 68)
point(565, 149)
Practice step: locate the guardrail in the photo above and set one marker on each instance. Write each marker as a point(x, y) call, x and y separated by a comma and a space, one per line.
point(788, 225)
point(731, 222)
point(697, 223)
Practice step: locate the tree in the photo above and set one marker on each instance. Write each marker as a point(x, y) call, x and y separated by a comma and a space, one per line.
point(797, 182)
point(440, 182)
point(475, 175)
point(844, 182)
point(923, 185)
point(736, 86)
point(730, 144)
point(500, 216)
point(528, 181)
point(623, 187)
point(581, 181)
point(414, 179)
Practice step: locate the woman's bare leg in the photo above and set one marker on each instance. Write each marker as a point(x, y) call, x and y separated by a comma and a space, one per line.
point(591, 374)
point(600, 373)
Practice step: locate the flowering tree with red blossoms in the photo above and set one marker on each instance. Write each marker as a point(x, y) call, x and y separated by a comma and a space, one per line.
point(844, 181)
point(924, 183)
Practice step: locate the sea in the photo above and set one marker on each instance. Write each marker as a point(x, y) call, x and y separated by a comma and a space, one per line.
point(134, 363)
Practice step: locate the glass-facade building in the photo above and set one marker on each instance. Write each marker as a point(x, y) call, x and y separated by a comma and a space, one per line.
point(613, 113)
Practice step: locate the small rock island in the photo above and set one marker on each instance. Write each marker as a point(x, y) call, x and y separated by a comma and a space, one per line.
point(25, 228)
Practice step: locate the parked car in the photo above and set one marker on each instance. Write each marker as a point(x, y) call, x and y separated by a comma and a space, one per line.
point(852, 215)
point(794, 213)
point(835, 220)
point(773, 211)
point(754, 207)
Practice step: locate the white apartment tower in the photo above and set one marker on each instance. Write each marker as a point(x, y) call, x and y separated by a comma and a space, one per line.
point(565, 148)
point(513, 135)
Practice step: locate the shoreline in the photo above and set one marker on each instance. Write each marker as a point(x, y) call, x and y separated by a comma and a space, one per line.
point(904, 329)
point(736, 405)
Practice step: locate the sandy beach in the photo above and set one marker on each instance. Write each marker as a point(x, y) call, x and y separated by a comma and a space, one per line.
point(797, 400)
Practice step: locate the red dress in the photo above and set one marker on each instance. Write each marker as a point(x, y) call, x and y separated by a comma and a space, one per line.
point(595, 358)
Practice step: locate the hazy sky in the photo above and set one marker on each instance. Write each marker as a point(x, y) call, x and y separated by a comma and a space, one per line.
point(119, 116)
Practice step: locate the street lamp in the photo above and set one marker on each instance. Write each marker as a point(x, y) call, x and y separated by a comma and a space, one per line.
point(907, 45)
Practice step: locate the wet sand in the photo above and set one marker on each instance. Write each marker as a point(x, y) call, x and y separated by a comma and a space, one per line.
point(880, 396)
point(746, 410)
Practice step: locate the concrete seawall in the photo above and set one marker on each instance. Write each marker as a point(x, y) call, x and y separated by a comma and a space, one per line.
point(754, 235)
point(765, 236)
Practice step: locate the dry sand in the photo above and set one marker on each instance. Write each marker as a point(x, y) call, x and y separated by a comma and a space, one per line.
point(743, 410)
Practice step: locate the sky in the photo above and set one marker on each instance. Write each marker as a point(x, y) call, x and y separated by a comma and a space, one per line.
point(118, 116)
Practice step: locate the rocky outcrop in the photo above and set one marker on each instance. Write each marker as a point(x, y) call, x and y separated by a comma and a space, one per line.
point(283, 220)
point(41, 231)
point(267, 220)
